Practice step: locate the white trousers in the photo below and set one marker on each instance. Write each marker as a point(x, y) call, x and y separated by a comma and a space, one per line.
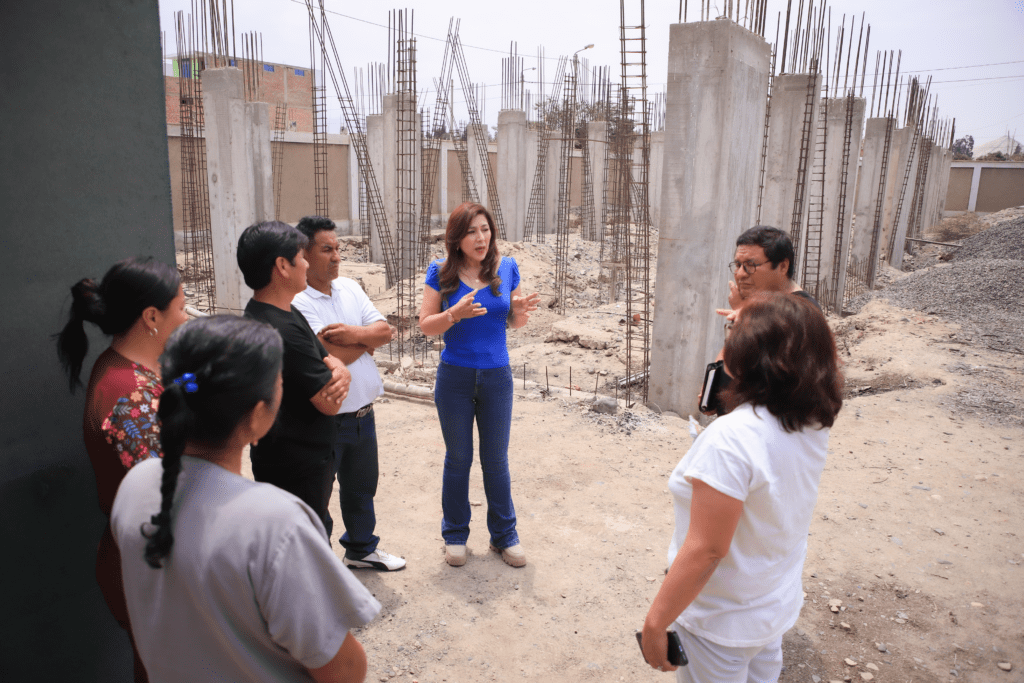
point(714, 663)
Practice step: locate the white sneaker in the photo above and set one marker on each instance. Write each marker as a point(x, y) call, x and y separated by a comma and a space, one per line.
point(378, 559)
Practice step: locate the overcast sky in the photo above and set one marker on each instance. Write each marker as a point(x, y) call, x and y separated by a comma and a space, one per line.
point(974, 51)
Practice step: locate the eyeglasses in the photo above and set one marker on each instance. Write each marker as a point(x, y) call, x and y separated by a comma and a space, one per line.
point(749, 267)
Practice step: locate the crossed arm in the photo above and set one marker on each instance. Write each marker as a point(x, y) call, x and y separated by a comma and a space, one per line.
point(348, 342)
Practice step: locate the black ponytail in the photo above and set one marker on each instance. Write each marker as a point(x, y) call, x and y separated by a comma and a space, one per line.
point(129, 287)
point(72, 342)
point(234, 364)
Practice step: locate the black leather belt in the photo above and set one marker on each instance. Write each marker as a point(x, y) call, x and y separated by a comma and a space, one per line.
point(362, 412)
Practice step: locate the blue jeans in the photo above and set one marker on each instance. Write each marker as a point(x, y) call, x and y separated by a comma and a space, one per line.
point(355, 464)
point(462, 395)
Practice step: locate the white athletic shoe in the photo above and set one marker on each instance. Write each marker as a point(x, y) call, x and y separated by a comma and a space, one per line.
point(378, 559)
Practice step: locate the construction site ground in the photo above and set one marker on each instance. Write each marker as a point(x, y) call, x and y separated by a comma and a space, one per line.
point(914, 567)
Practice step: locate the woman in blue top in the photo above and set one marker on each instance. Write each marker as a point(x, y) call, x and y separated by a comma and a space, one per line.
point(471, 297)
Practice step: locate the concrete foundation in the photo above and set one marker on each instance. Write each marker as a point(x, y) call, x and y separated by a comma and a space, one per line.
point(513, 179)
point(866, 200)
point(779, 207)
point(240, 175)
point(717, 76)
point(835, 226)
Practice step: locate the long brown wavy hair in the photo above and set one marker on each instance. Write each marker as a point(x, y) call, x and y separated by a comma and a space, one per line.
point(458, 227)
point(782, 355)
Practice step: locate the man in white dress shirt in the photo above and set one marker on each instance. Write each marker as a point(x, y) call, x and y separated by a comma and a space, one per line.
point(350, 327)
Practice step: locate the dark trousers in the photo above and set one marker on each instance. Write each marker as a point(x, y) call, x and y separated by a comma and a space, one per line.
point(355, 461)
point(302, 469)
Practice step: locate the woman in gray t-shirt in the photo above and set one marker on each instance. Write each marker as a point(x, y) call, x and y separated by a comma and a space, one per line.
point(241, 583)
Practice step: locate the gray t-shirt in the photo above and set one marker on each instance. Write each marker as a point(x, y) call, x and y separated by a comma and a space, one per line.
point(251, 590)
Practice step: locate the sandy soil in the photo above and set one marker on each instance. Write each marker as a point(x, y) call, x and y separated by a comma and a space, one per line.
point(917, 529)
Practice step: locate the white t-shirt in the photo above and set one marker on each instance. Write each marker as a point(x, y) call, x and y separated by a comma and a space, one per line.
point(348, 304)
point(755, 594)
point(251, 590)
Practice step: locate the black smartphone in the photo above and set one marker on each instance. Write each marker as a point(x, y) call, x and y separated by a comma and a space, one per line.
point(676, 656)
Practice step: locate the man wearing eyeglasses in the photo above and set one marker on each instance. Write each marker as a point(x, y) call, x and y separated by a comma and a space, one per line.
point(764, 262)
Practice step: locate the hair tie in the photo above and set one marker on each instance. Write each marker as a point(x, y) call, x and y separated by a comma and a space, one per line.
point(188, 381)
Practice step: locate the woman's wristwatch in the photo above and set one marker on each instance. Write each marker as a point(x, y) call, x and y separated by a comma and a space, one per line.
point(451, 319)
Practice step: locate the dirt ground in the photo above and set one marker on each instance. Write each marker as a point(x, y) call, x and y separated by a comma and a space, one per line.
point(916, 540)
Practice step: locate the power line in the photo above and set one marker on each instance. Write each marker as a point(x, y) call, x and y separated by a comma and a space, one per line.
point(418, 35)
point(972, 66)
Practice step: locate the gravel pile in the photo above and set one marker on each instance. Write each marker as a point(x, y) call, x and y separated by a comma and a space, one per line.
point(1004, 240)
point(984, 295)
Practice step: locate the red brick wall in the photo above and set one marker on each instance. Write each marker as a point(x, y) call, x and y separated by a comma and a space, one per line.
point(279, 85)
point(172, 100)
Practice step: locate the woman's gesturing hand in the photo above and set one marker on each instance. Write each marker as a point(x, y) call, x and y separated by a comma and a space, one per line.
point(524, 305)
point(467, 308)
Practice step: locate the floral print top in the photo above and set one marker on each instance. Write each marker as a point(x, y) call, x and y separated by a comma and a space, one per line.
point(132, 427)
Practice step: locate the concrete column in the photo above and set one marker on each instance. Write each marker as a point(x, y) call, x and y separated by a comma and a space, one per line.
point(866, 200)
point(551, 178)
point(902, 186)
point(598, 136)
point(717, 75)
point(513, 180)
point(389, 168)
point(475, 162)
point(406, 234)
point(240, 175)
point(442, 178)
point(972, 203)
point(654, 174)
point(782, 165)
point(947, 164)
point(353, 227)
point(930, 215)
point(375, 150)
point(835, 228)
point(531, 141)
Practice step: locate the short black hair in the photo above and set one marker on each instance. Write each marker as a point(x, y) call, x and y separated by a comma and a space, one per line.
point(259, 247)
point(776, 244)
point(311, 225)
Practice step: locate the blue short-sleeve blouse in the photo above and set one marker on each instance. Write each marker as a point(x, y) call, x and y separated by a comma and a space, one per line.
point(479, 342)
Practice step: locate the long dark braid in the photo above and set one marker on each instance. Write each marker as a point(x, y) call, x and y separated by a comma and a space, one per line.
point(175, 417)
point(216, 370)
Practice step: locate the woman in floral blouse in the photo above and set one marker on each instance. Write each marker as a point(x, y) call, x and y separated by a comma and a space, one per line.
point(139, 302)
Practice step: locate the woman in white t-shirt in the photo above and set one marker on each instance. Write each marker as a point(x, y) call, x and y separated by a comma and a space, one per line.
point(743, 497)
point(230, 579)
